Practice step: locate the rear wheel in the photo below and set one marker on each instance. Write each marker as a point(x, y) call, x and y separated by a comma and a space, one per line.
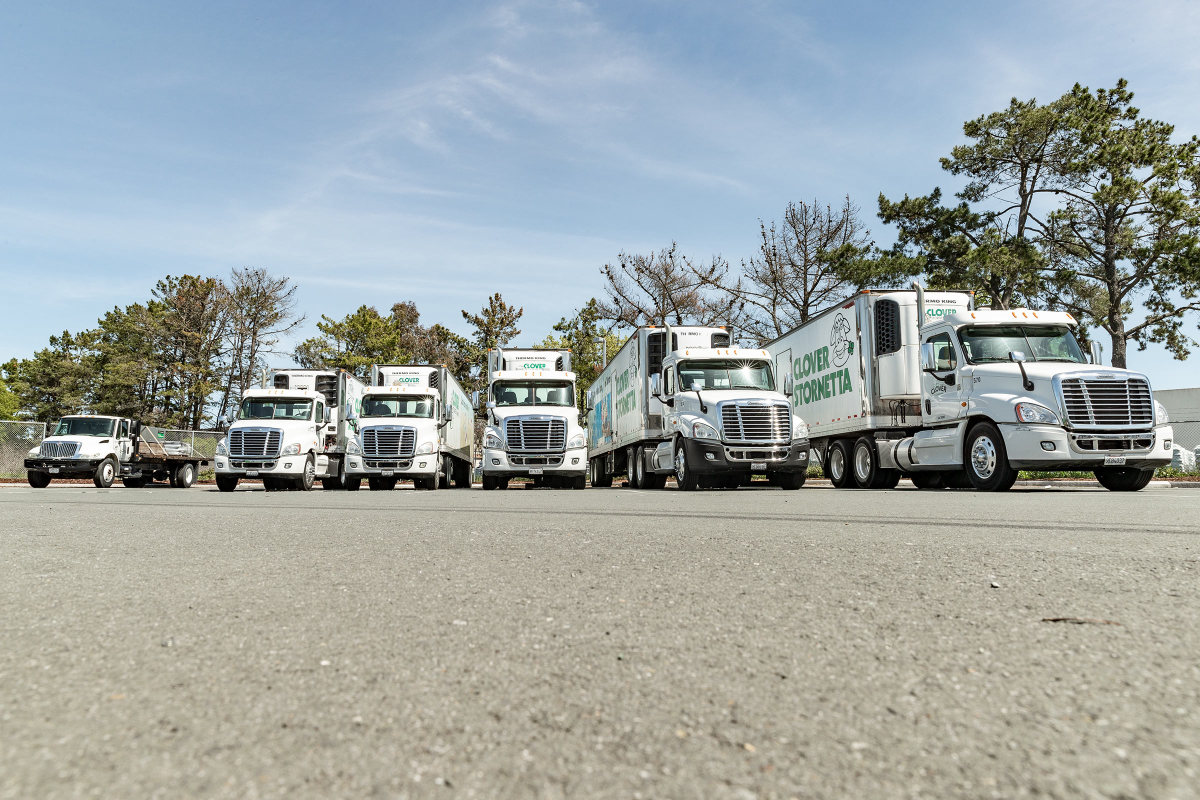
point(227, 483)
point(38, 480)
point(927, 480)
point(134, 483)
point(683, 470)
point(837, 464)
point(639, 469)
point(867, 472)
point(987, 460)
point(1124, 479)
point(956, 480)
point(185, 475)
point(338, 481)
point(106, 473)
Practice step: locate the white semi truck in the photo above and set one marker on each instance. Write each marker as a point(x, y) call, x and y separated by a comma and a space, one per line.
point(291, 432)
point(415, 422)
point(533, 427)
point(105, 448)
point(682, 401)
point(923, 385)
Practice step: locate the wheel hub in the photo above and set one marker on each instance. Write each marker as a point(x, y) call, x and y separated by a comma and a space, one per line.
point(983, 457)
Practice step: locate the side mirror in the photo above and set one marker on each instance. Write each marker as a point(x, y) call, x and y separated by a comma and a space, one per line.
point(449, 413)
point(656, 385)
point(1016, 355)
point(1097, 353)
point(475, 400)
point(789, 386)
point(928, 362)
point(328, 415)
point(491, 404)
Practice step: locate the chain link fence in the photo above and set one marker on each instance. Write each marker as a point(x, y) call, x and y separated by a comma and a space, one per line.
point(17, 437)
point(15, 440)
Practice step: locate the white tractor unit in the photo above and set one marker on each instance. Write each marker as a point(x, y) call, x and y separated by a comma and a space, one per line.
point(923, 385)
point(533, 429)
point(414, 422)
point(681, 401)
point(106, 448)
point(291, 434)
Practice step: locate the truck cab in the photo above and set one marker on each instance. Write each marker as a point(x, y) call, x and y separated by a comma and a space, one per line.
point(278, 435)
point(1010, 390)
point(533, 426)
point(726, 419)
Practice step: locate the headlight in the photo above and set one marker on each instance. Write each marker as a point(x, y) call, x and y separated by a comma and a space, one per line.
point(491, 441)
point(292, 449)
point(1160, 414)
point(702, 430)
point(222, 450)
point(799, 430)
point(352, 445)
point(1029, 412)
point(576, 441)
point(33, 451)
point(426, 447)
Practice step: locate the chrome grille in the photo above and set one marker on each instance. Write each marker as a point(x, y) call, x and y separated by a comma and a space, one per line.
point(58, 449)
point(389, 442)
point(756, 422)
point(1108, 403)
point(255, 442)
point(536, 434)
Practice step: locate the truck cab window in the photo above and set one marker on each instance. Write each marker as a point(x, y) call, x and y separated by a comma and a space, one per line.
point(944, 358)
point(123, 429)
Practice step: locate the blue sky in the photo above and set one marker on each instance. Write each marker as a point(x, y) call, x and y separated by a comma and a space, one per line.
point(438, 152)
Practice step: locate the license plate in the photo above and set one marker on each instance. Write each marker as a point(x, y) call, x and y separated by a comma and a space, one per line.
point(758, 465)
point(53, 470)
point(387, 473)
point(1114, 461)
point(535, 471)
point(252, 473)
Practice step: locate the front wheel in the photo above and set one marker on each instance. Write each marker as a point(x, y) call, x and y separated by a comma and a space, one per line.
point(1124, 479)
point(134, 483)
point(227, 483)
point(106, 473)
point(987, 460)
point(788, 480)
point(352, 484)
point(38, 480)
point(309, 476)
point(684, 476)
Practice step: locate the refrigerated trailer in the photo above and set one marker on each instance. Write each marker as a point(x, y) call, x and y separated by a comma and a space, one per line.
point(681, 401)
point(923, 385)
point(414, 422)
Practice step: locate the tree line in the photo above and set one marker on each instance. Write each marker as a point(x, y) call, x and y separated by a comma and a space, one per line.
point(1079, 205)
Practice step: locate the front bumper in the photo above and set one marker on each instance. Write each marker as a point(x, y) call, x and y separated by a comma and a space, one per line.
point(422, 466)
point(710, 456)
point(291, 466)
point(1050, 447)
point(63, 467)
point(501, 464)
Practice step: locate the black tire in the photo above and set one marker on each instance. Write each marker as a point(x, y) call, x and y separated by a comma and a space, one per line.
point(867, 472)
point(579, 482)
point(656, 480)
point(106, 473)
point(957, 480)
point(489, 483)
point(352, 484)
point(986, 459)
point(927, 480)
point(838, 464)
point(684, 476)
point(38, 480)
point(134, 483)
point(171, 480)
point(337, 482)
point(376, 485)
point(462, 474)
point(639, 469)
point(600, 478)
point(271, 484)
point(185, 475)
point(1124, 479)
point(788, 480)
point(307, 478)
point(227, 483)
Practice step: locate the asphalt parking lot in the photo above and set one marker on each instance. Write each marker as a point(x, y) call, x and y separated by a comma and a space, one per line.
point(601, 643)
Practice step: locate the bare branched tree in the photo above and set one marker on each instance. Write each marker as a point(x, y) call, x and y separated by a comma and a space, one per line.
point(666, 287)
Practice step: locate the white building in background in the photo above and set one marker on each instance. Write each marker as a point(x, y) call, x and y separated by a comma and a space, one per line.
point(1183, 407)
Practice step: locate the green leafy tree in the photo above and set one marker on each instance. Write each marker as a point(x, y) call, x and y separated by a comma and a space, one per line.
point(10, 404)
point(55, 381)
point(495, 326)
point(261, 310)
point(1124, 243)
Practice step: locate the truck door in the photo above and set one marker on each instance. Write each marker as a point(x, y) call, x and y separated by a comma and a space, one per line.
point(783, 368)
point(942, 389)
point(124, 446)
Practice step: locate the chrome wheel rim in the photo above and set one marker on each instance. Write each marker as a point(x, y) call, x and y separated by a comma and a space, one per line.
point(108, 473)
point(983, 457)
point(680, 464)
point(837, 464)
point(862, 463)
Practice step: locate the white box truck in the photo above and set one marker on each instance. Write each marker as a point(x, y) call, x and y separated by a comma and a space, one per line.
point(682, 401)
point(923, 385)
point(291, 432)
point(533, 427)
point(415, 422)
point(104, 448)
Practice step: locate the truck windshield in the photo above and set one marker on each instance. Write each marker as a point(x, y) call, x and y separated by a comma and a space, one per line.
point(392, 406)
point(84, 426)
point(270, 408)
point(1038, 342)
point(725, 374)
point(534, 393)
